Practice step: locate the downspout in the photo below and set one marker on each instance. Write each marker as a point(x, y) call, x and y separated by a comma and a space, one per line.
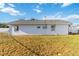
point(45, 25)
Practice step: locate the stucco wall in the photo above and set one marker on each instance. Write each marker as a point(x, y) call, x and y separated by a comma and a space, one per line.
point(32, 29)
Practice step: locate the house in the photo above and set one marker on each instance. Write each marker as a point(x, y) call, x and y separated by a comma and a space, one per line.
point(39, 27)
point(74, 29)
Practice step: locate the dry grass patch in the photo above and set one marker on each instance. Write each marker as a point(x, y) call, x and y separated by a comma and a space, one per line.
point(47, 45)
point(42, 45)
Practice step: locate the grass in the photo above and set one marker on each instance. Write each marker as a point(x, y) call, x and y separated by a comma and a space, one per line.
point(41, 45)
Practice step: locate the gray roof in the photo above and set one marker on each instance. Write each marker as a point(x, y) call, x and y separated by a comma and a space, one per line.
point(34, 22)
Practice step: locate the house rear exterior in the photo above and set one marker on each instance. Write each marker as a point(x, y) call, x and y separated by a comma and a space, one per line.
point(39, 27)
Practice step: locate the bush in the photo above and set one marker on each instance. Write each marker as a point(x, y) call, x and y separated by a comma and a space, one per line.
point(3, 25)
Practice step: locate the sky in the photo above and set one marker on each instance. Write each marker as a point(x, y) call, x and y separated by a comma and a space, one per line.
point(40, 11)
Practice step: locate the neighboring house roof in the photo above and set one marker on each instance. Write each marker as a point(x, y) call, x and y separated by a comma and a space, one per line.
point(34, 22)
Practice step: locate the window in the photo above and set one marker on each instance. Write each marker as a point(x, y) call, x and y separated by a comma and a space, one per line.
point(38, 27)
point(52, 27)
point(45, 27)
point(69, 25)
point(16, 28)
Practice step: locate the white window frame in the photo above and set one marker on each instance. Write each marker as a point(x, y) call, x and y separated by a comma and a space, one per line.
point(16, 28)
point(38, 27)
point(44, 26)
point(53, 27)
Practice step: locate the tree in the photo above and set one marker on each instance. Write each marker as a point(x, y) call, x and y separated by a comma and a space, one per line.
point(3, 25)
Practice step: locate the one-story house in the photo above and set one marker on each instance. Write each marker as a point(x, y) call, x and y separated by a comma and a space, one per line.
point(39, 27)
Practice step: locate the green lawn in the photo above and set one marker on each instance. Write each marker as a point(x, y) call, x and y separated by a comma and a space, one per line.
point(45, 45)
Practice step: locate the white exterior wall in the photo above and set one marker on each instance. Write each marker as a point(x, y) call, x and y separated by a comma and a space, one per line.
point(74, 29)
point(11, 29)
point(33, 30)
point(62, 29)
